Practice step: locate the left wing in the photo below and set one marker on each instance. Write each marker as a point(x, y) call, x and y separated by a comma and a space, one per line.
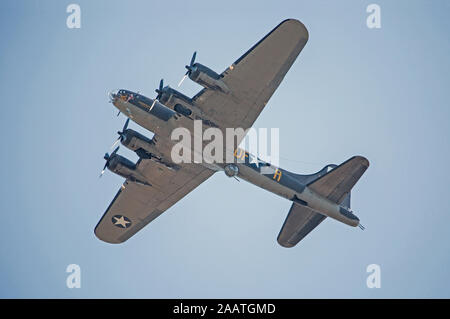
point(254, 77)
point(135, 204)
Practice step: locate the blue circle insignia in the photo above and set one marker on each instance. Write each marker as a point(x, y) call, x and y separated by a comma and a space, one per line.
point(121, 221)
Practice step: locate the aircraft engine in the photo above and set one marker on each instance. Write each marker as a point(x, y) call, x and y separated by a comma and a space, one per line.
point(120, 165)
point(123, 167)
point(204, 76)
point(167, 95)
point(137, 142)
point(207, 78)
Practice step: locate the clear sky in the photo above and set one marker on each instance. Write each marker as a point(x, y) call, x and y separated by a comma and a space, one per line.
point(381, 93)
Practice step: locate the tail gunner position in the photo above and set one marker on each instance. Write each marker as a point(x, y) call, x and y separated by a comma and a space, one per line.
point(231, 99)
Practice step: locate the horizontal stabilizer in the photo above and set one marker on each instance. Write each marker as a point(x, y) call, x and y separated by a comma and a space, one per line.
point(300, 221)
point(337, 183)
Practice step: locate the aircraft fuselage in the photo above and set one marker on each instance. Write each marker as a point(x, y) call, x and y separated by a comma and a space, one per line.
point(162, 120)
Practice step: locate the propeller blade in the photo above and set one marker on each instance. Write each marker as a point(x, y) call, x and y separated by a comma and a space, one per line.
point(107, 157)
point(126, 125)
point(115, 143)
point(104, 167)
point(159, 90)
point(184, 77)
point(189, 68)
point(115, 151)
point(193, 59)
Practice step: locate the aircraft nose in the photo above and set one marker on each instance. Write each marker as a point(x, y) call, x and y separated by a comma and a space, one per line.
point(112, 95)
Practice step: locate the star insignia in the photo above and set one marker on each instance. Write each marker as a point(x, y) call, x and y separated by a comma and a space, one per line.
point(121, 221)
point(254, 160)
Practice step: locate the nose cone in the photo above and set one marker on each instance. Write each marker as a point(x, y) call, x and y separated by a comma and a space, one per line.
point(113, 95)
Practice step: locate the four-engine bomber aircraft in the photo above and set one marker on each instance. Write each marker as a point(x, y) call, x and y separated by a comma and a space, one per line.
point(231, 99)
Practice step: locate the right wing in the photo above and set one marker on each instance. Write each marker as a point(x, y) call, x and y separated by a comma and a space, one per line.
point(254, 77)
point(135, 204)
point(300, 221)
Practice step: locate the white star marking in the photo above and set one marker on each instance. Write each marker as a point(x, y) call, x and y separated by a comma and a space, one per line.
point(121, 221)
point(254, 160)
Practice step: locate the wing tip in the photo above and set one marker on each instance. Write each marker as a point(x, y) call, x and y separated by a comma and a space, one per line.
point(363, 161)
point(285, 244)
point(299, 24)
point(106, 239)
point(287, 22)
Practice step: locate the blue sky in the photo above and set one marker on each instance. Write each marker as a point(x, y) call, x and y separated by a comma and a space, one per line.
point(381, 93)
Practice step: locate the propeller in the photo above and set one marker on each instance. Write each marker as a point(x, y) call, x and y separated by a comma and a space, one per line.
point(189, 68)
point(107, 157)
point(112, 96)
point(121, 134)
point(160, 89)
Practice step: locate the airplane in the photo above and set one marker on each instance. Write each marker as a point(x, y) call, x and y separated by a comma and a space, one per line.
point(234, 98)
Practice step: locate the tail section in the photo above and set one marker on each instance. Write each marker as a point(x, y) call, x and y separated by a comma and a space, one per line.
point(306, 179)
point(332, 182)
point(337, 183)
point(309, 179)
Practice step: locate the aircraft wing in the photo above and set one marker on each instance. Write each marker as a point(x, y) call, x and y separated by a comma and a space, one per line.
point(136, 204)
point(300, 221)
point(254, 77)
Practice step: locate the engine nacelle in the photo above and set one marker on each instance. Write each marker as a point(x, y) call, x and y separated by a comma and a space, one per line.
point(182, 104)
point(179, 102)
point(125, 168)
point(170, 96)
point(207, 78)
point(140, 144)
